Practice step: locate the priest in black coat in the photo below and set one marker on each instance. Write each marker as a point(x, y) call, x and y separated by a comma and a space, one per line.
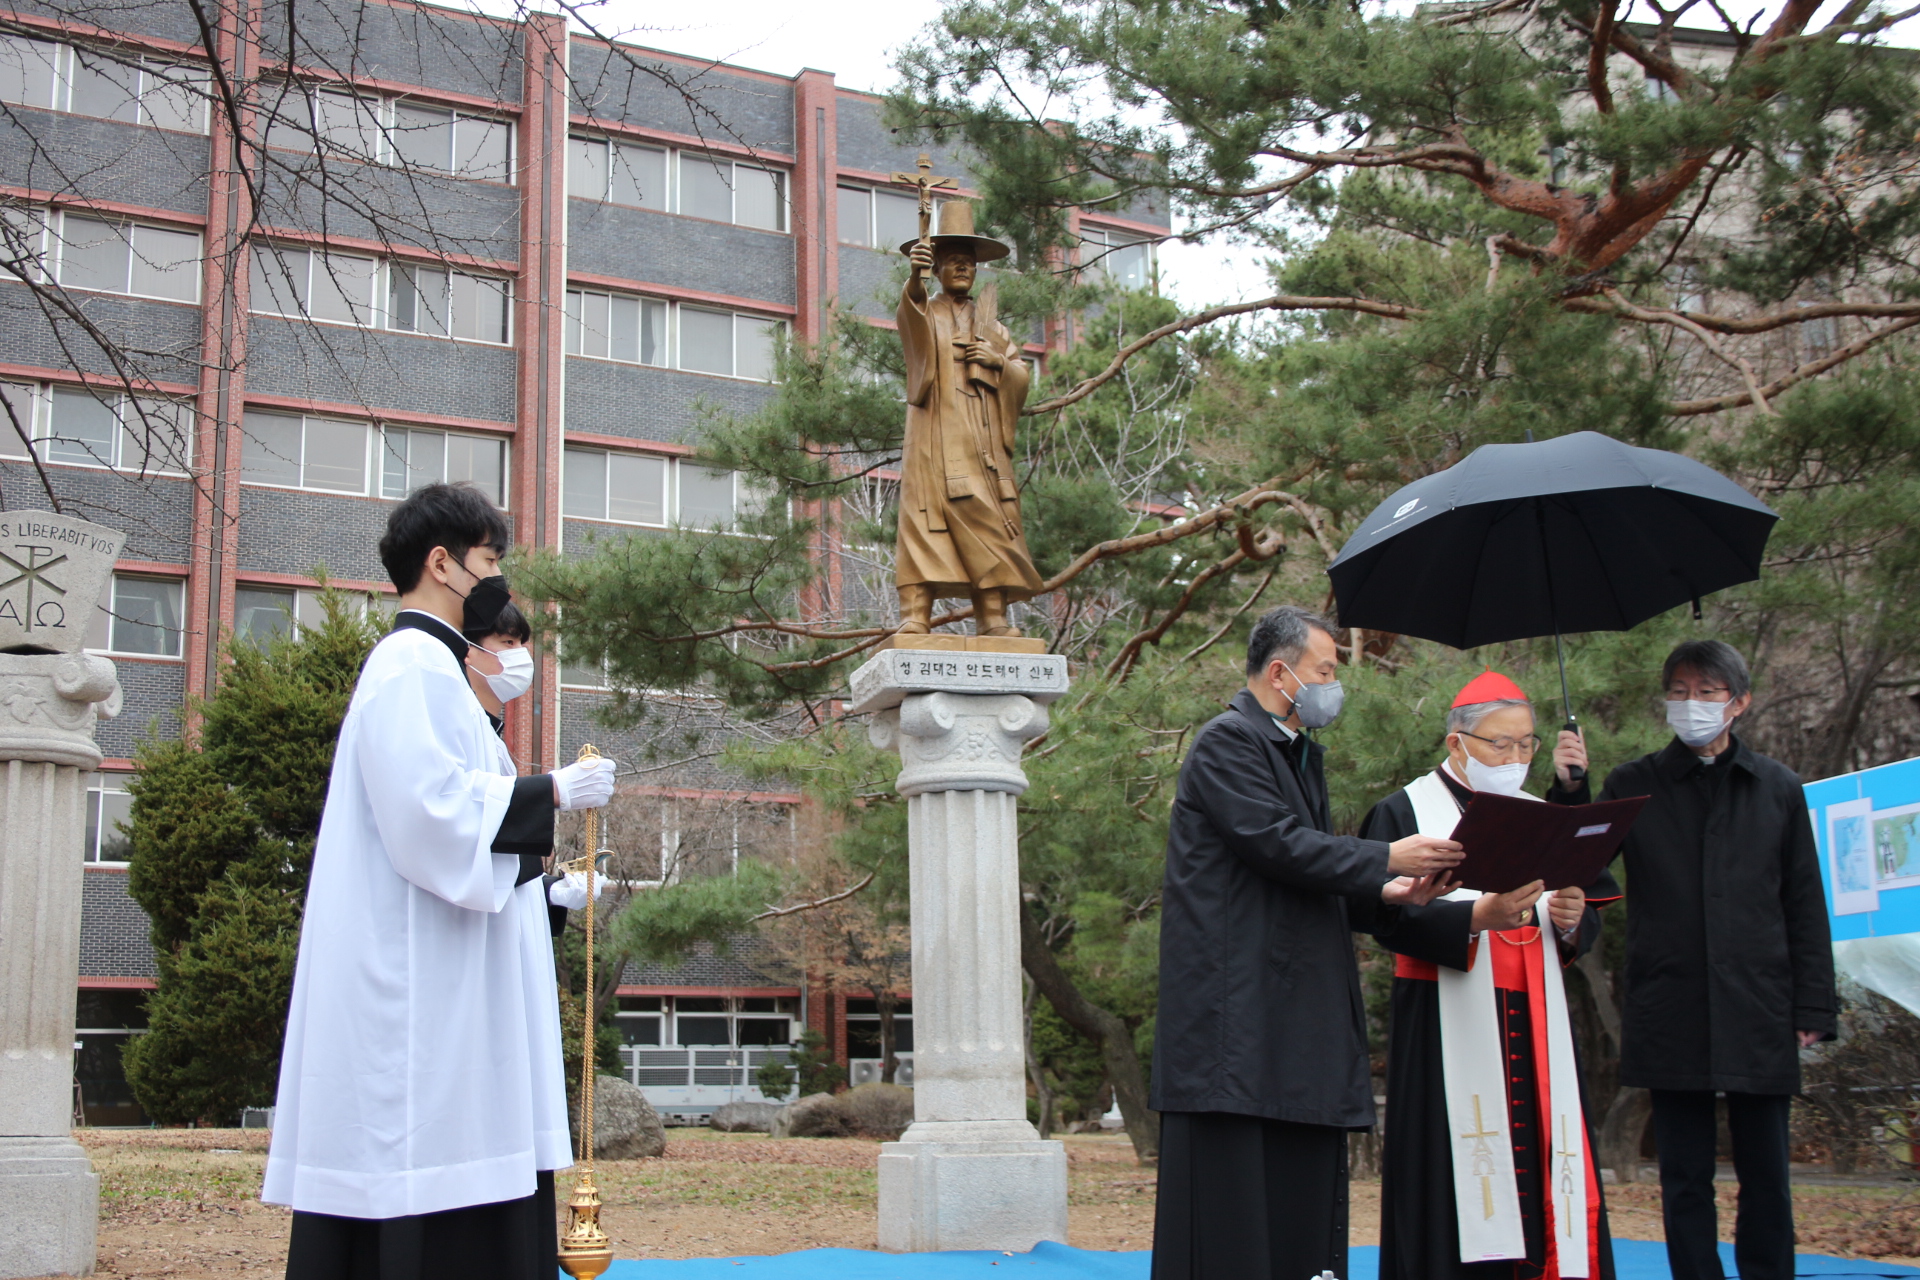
point(1729, 962)
point(1260, 1053)
point(1490, 744)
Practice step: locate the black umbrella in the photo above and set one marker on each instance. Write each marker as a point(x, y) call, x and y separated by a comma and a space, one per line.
point(1578, 533)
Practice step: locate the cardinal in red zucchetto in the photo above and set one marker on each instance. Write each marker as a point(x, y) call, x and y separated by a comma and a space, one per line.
point(1488, 1169)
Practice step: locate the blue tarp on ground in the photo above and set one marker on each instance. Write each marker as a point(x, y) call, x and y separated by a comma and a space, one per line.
point(1633, 1260)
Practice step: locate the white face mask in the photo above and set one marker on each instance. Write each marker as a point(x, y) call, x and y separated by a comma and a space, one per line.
point(516, 675)
point(1501, 779)
point(1696, 723)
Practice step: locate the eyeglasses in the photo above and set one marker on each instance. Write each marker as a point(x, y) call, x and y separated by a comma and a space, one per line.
point(1526, 746)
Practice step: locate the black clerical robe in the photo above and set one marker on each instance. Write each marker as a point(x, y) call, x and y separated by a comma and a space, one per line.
point(1260, 1053)
point(1419, 1231)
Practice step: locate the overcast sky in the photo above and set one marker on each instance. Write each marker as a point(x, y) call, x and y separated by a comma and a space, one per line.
point(857, 40)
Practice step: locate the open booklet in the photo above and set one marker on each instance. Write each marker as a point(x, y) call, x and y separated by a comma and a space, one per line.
point(1510, 842)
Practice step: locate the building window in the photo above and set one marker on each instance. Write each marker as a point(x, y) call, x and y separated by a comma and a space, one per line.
point(448, 142)
point(125, 257)
point(138, 616)
point(320, 286)
point(305, 452)
point(707, 186)
point(108, 807)
point(1819, 337)
point(449, 304)
point(725, 342)
point(877, 219)
point(639, 488)
point(616, 327)
point(617, 173)
point(103, 1024)
point(708, 1020)
point(85, 427)
point(1115, 257)
point(863, 1027)
point(724, 191)
point(262, 615)
point(358, 126)
point(347, 288)
point(638, 1019)
point(411, 457)
point(85, 81)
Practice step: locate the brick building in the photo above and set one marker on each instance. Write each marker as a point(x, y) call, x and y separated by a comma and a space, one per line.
point(426, 245)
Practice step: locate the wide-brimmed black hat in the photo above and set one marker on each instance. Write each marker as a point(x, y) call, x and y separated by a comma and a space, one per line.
point(955, 229)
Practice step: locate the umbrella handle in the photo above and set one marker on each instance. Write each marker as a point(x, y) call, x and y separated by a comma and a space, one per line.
point(1576, 774)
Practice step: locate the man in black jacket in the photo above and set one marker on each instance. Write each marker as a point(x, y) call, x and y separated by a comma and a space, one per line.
point(1260, 1055)
point(1729, 965)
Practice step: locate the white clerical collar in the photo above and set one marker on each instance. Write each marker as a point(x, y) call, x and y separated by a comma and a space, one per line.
point(1291, 734)
point(1447, 765)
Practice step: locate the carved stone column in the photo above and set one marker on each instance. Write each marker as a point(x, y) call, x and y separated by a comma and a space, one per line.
point(51, 695)
point(971, 1172)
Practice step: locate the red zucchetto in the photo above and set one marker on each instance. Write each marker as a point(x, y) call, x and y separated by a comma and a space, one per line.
point(1489, 686)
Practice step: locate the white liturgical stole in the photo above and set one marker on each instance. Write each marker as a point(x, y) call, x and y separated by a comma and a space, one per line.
point(1486, 1191)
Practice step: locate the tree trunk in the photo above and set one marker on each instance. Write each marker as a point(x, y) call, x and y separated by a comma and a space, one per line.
point(1099, 1025)
point(885, 1001)
point(1036, 1072)
point(1621, 1132)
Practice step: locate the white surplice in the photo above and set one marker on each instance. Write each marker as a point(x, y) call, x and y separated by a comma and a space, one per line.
point(1486, 1188)
point(422, 1069)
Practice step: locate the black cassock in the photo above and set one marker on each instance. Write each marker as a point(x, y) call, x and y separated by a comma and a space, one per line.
point(1419, 1231)
point(1260, 1055)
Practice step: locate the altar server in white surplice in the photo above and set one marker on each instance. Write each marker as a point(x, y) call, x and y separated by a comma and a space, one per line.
point(422, 1106)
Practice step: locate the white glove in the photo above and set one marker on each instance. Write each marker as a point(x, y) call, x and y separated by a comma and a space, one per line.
point(584, 784)
point(571, 891)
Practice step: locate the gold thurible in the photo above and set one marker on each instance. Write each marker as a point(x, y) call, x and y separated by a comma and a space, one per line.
point(585, 1249)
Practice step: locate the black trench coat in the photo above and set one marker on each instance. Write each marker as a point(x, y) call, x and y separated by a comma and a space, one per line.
point(1728, 953)
point(1260, 1011)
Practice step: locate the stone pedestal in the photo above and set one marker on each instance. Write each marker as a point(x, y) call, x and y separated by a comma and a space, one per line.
point(49, 1196)
point(970, 1172)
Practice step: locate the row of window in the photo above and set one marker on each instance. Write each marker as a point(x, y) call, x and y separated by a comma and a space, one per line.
point(338, 455)
point(346, 288)
point(879, 219)
point(707, 1020)
point(642, 488)
point(87, 82)
point(82, 252)
point(78, 426)
point(142, 616)
point(672, 335)
point(113, 256)
point(302, 117)
point(693, 183)
point(83, 427)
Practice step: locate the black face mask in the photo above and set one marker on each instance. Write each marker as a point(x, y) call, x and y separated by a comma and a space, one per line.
point(484, 603)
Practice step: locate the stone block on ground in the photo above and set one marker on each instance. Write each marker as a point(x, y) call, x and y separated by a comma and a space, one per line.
point(745, 1117)
point(818, 1115)
point(878, 1110)
point(625, 1125)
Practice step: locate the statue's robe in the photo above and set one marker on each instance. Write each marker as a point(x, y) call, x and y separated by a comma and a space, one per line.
point(960, 529)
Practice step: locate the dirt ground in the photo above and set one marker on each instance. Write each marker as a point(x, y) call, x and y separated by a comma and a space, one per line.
point(183, 1203)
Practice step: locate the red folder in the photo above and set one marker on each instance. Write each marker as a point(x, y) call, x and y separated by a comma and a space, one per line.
point(1510, 842)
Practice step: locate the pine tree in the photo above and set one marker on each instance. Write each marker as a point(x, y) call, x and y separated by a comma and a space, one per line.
point(222, 830)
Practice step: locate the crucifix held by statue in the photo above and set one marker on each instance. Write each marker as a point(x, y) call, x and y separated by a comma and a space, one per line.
point(960, 528)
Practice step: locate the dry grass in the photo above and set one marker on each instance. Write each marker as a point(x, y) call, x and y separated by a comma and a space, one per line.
point(183, 1204)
